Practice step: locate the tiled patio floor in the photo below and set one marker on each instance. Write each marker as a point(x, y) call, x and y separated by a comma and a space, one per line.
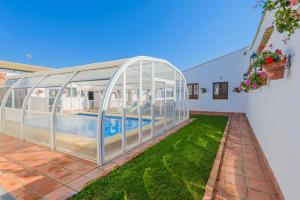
point(243, 174)
point(29, 171)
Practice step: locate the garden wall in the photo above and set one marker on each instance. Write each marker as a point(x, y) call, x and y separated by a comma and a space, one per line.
point(273, 112)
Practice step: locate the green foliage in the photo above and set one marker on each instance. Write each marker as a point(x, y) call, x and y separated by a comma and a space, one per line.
point(255, 80)
point(286, 19)
point(203, 90)
point(176, 168)
point(261, 58)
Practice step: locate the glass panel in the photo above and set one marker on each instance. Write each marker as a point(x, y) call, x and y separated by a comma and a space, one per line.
point(19, 95)
point(4, 87)
point(146, 100)
point(132, 105)
point(39, 107)
point(164, 71)
point(28, 82)
point(77, 134)
point(76, 118)
point(12, 122)
point(159, 108)
point(95, 75)
point(9, 82)
point(12, 111)
point(177, 102)
point(182, 101)
point(3, 91)
point(112, 122)
point(56, 80)
point(170, 110)
point(37, 127)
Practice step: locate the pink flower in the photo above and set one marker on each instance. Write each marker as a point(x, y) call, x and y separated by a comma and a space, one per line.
point(248, 82)
point(254, 86)
point(262, 74)
point(293, 3)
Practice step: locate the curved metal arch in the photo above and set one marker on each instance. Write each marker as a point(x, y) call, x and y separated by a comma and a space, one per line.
point(108, 90)
point(128, 63)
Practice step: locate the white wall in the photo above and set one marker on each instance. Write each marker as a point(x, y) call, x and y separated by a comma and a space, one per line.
point(274, 111)
point(228, 68)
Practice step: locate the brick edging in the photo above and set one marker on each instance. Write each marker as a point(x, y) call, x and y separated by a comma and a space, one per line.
point(210, 185)
point(197, 112)
point(271, 179)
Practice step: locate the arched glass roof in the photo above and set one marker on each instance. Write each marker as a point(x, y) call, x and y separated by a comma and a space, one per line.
point(77, 109)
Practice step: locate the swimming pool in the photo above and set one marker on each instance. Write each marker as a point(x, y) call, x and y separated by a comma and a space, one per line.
point(85, 124)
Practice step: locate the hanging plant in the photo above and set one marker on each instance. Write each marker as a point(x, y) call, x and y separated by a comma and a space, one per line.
point(255, 80)
point(272, 63)
point(203, 90)
point(286, 16)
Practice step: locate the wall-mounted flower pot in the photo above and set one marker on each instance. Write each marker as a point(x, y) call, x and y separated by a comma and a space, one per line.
point(275, 70)
point(275, 75)
point(264, 82)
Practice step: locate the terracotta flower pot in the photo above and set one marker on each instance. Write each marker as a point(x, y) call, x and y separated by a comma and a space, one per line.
point(275, 70)
point(264, 82)
point(276, 74)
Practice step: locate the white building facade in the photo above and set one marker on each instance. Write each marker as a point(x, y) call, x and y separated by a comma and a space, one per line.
point(273, 110)
point(226, 69)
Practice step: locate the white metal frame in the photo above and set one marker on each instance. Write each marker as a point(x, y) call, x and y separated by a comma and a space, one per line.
point(122, 66)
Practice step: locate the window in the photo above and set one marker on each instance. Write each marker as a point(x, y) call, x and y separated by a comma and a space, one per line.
point(71, 92)
point(91, 95)
point(193, 90)
point(220, 90)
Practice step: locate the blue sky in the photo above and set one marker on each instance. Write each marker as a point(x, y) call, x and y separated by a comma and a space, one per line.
point(67, 33)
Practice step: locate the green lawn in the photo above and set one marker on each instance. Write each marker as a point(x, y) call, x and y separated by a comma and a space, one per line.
point(176, 168)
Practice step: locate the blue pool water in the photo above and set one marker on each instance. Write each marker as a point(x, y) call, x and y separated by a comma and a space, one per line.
point(87, 126)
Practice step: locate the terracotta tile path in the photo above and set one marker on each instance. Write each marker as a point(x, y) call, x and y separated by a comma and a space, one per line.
point(29, 171)
point(242, 174)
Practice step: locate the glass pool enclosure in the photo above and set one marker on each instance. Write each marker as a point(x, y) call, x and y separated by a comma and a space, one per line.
point(96, 111)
